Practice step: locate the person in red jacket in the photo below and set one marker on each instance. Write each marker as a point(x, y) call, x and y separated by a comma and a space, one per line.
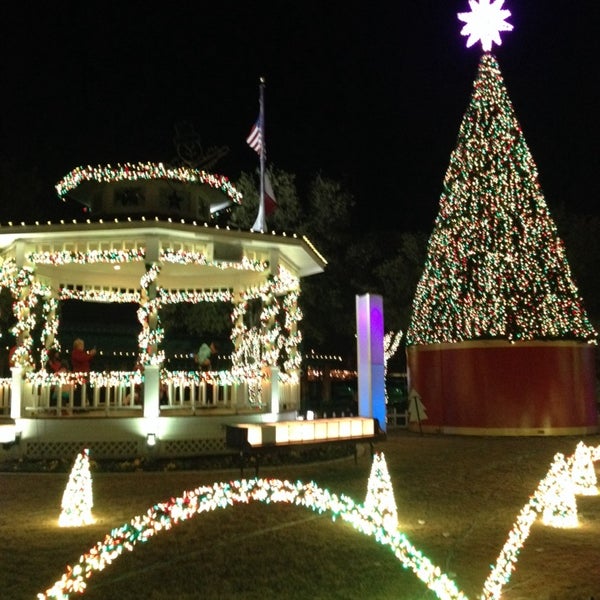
point(80, 357)
point(54, 363)
point(80, 363)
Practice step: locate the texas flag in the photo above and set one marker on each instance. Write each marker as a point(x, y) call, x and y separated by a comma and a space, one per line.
point(270, 200)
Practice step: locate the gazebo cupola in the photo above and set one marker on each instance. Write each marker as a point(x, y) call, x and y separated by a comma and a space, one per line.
point(149, 189)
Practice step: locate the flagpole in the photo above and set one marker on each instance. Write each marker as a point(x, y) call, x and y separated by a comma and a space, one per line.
point(260, 223)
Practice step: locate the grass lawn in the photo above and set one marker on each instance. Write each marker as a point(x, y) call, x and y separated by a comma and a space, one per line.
point(457, 499)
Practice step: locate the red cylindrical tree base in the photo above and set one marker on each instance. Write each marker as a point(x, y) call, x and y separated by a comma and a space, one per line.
point(499, 388)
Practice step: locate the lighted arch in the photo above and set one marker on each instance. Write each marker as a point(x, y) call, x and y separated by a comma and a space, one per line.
point(376, 517)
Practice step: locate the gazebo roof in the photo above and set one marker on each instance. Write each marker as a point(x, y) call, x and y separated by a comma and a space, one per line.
point(223, 249)
point(114, 247)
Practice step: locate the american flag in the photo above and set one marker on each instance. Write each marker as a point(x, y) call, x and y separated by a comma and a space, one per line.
point(255, 137)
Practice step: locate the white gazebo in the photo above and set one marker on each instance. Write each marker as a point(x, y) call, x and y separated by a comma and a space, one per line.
point(149, 241)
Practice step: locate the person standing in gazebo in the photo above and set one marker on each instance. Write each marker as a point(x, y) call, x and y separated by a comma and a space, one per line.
point(204, 361)
point(204, 356)
point(54, 365)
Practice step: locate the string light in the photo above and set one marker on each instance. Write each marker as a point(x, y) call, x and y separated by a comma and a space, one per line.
point(182, 257)
point(270, 332)
point(65, 257)
point(391, 342)
point(144, 171)
point(164, 516)
point(583, 472)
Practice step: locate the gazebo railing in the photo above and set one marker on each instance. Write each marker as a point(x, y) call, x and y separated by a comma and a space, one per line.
point(193, 391)
point(68, 392)
point(186, 392)
point(5, 384)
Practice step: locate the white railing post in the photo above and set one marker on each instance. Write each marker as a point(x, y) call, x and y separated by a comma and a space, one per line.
point(193, 396)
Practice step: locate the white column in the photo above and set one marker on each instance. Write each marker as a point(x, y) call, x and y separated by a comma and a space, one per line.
point(151, 389)
point(274, 377)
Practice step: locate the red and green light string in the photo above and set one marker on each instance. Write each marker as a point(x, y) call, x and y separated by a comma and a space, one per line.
point(371, 518)
point(553, 502)
point(119, 256)
point(144, 172)
point(260, 346)
point(496, 267)
point(147, 338)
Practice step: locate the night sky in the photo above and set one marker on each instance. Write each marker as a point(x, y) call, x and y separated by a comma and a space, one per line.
point(371, 96)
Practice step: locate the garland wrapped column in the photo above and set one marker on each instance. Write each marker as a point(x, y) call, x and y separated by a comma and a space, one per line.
point(149, 340)
point(25, 302)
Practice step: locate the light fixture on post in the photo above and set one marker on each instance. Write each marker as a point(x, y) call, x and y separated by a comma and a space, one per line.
point(8, 432)
point(151, 439)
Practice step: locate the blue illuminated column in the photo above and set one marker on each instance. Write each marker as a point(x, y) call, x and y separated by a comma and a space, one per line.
point(370, 356)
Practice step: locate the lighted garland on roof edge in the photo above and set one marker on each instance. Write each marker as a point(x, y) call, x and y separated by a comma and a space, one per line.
point(144, 171)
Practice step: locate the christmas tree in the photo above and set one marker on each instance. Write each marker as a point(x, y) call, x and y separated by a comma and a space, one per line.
point(496, 267)
point(380, 502)
point(77, 501)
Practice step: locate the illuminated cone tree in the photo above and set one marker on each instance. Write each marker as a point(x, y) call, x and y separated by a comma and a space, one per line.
point(498, 287)
point(78, 499)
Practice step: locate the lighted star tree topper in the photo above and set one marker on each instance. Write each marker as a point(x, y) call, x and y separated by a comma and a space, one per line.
point(485, 22)
point(495, 267)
